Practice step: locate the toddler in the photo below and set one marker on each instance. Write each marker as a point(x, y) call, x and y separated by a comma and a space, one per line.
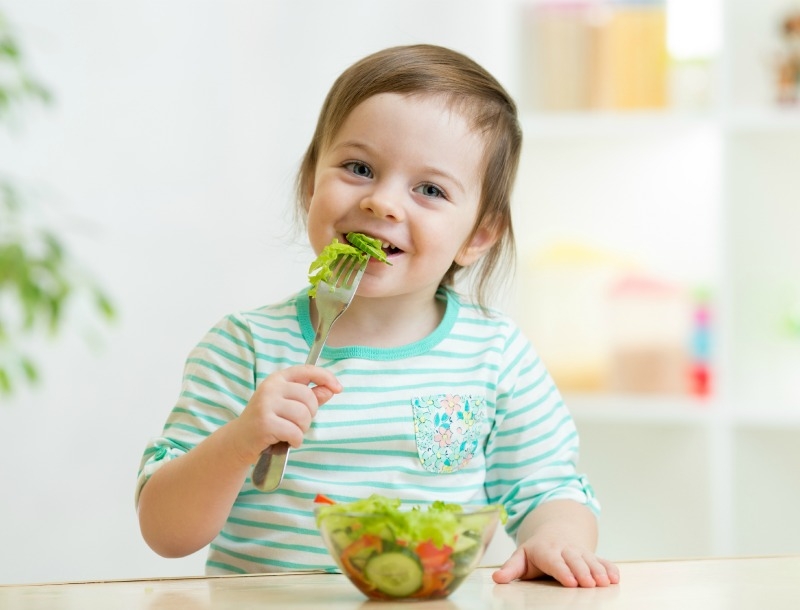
point(421, 393)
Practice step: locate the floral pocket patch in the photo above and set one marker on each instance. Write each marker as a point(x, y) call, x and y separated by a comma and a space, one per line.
point(448, 428)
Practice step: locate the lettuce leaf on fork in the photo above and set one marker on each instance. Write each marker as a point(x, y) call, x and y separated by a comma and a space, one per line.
point(368, 245)
point(362, 246)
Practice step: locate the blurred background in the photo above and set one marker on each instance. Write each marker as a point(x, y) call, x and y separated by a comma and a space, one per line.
point(147, 157)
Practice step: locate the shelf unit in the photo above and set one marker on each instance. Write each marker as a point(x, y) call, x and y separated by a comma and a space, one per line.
point(711, 197)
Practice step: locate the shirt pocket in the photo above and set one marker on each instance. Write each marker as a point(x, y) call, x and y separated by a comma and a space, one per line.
point(448, 429)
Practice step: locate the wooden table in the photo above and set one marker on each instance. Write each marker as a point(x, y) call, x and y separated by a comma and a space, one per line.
point(765, 583)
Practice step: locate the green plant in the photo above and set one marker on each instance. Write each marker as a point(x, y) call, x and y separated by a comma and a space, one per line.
point(37, 276)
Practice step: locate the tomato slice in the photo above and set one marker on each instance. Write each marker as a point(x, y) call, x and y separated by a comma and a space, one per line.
point(433, 556)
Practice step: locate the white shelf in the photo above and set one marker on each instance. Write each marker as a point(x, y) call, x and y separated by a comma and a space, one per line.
point(787, 418)
point(642, 409)
point(718, 190)
point(764, 120)
point(605, 124)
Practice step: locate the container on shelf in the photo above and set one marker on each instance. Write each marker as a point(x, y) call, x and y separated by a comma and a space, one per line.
point(595, 55)
point(562, 295)
point(650, 325)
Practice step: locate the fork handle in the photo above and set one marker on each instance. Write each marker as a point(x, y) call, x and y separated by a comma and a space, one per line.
point(268, 471)
point(271, 464)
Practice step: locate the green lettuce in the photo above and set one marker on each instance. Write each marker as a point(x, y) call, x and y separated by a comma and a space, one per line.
point(382, 516)
point(363, 246)
point(368, 245)
point(321, 269)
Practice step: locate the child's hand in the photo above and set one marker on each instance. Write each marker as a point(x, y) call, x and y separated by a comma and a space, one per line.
point(559, 536)
point(282, 408)
point(572, 566)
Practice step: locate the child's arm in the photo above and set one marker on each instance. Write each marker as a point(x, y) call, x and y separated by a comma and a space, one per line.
point(558, 539)
point(185, 503)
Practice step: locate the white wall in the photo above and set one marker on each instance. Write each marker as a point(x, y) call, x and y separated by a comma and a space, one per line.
point(167, 161)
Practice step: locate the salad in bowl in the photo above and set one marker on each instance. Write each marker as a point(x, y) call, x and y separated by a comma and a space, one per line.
point(389, 552)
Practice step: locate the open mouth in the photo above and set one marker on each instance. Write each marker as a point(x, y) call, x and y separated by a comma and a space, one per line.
point(389, 249)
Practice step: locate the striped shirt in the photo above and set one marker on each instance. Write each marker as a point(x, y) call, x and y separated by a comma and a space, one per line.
point(468, 415)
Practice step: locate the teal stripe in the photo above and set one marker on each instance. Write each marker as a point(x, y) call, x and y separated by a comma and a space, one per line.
point(238, 323)
point(481, 321)
point(348, 450)
point(361, 441)
point(265, 561)
point(245, 383)
point(217, 388)
point(192, 429)
point(348, 407)
point(225, 354)
point(273, 526)
point(526, 426)
point(282, 361)
point(352, 423)
point(450, 372)
point(536, 440)
point(201, 416)
point(274, 509)
point(512, 365)
point(385, 485)
point(474, 338)
point(225, 566)
point(235, 340)
point(413, 472)
point(537, 481)
point(544, 377)
point(477, 385)
point(536, 459)
point(281, 491)
point(530, 367)
point(492, 349)
point(282, 330)
point(537, 403)
point(273, 316)
point(294, 347)
point(206, 401)
point(304, 548)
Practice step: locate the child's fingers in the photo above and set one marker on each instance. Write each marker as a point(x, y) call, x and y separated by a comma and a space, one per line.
point(590, 571)
point(323, 394)
point(513, 568)
point(612, 570)
point(309, 374)
point(516, 566)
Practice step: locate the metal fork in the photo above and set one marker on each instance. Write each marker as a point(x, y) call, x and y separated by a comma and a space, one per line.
point(333, 297)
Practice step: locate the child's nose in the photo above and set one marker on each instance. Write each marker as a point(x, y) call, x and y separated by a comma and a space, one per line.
point(385, 202)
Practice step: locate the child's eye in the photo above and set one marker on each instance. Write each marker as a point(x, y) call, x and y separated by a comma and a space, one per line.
point(359, 169)
point(431, 190)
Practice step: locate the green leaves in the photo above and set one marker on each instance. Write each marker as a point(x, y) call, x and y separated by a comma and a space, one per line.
point(38, 280)
point(16, 85)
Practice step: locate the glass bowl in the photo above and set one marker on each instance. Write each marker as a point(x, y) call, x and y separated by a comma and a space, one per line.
point(407, 554)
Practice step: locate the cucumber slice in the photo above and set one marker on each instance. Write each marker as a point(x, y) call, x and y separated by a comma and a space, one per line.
point(368, 245)
point(398, 573)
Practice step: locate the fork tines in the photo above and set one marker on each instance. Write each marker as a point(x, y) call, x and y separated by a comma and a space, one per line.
point(345, 270)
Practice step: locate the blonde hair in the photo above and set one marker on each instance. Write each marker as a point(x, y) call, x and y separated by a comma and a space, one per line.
point(429, 69)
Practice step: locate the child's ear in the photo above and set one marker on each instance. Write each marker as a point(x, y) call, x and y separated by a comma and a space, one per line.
point(478, 245)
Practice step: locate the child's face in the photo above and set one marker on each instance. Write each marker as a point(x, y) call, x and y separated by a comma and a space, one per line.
point(407, 170)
